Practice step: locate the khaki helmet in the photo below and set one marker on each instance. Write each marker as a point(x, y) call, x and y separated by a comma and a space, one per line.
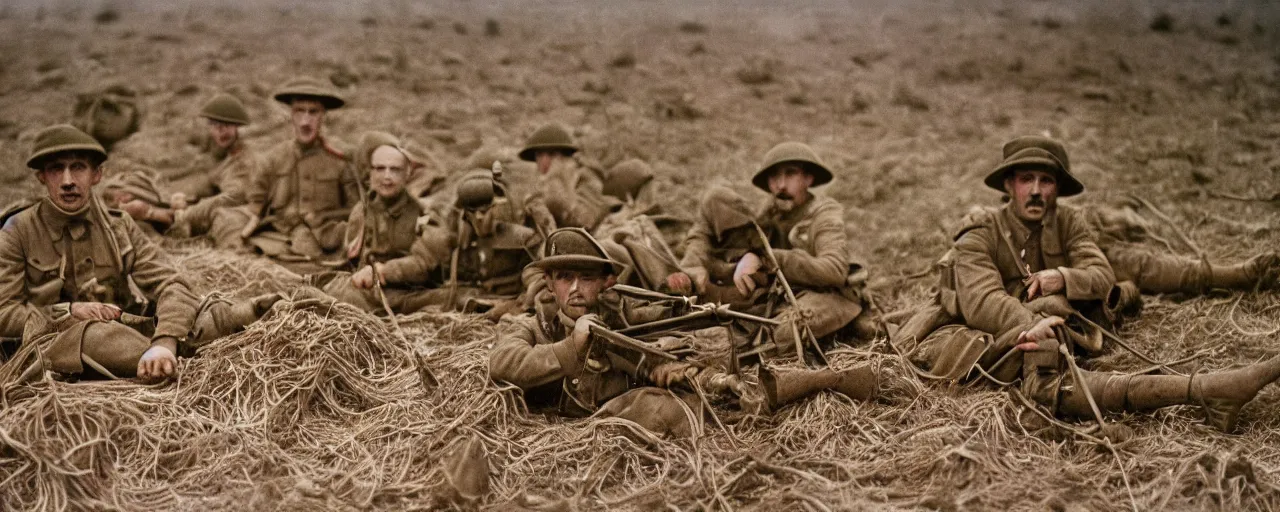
point(309, 89)
point(575, 249)
point(59, 138)
point(724, 209)
point(139, 183)
point(372, 140)
point(627, 178)
point(226, 108)
point(1035, 152)
point(797, 152)
point(549, 136)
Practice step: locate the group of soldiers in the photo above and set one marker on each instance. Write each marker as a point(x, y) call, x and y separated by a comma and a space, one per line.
point(597, 311)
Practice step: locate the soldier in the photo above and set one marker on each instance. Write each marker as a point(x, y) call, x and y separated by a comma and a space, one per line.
point(191, 209)
point(1139, 268)
point(299, 201)
point(807, 234)
point(420, 269)
point(559, 362)
point(599, 203)
point(70, 266)
point(1008, 279)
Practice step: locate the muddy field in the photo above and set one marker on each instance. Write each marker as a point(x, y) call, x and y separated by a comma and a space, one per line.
point(1178, 103)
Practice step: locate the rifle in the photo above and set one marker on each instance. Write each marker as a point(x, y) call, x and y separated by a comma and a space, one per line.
point(637, 357)
point(791, 299)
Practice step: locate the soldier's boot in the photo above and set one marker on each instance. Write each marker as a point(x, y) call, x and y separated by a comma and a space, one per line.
point(1259, 271)
point(782, 388)
point(219, 317)
point(1124, 300)
point(1221, 395)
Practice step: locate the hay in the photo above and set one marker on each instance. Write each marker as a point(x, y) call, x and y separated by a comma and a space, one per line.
point(320, 406)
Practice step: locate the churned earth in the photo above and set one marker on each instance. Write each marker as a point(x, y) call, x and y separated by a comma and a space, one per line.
point(322, 408)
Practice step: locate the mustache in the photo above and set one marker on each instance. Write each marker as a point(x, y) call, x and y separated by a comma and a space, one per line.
point(784, 196)
point(1036, 201)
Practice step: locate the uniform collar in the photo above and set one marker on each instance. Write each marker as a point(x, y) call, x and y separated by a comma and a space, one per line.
point(59, 221)
point(395, 207)
point(1019, 231)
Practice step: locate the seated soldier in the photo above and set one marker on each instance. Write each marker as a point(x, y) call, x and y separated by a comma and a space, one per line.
point(471, 263)
point(299, 200)
point(88, 275)
point(1006, 265)
point(197, 196)
point(561, 363)
point(807, 235)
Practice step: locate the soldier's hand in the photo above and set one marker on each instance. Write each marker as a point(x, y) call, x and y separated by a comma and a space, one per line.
point(364, 277)
point(178, 201)
point(157, 363)
point(1030, 339)
point(582, 330)
point(742, 274)
point(1045, 282)
point(679, 282)
point(671, 373)
point(94, 311)
point(700, 279)
point(250, 226)
point(136, 209)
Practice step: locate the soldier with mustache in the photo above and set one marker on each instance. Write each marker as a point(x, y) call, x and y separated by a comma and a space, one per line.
point(1011, 280)
point(724, 255)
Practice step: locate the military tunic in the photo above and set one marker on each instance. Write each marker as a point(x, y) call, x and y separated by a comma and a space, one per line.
point(50, 259)
point(981, 306)
point(416, 265)
point(536, 354)
point(812, 250)
point(571, 195)
point(222, 186)
point(307, 194)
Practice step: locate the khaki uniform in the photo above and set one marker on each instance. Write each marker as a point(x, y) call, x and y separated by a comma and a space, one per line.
point(585, 207)
point(1121, 235)
point(52, 259)
point(812, 250)
point(416, 264)
point(534, 353)
point(221, 186)
point(980, 310)
point(307, 194)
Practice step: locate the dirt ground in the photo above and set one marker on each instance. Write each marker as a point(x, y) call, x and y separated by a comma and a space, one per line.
point(909, 102)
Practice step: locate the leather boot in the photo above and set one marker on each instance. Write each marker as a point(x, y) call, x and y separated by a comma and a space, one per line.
point(858, 383)
point(1259, 271)
point(1220, 394)
point(1124, 300)
point(220, 317)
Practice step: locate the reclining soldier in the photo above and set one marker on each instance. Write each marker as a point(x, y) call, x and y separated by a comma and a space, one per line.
point(1011, 275)
point(1140, 268)
point(559, 358)
point(299, 200)
point(725, 257)
point(204, 189)
point(70, 266)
